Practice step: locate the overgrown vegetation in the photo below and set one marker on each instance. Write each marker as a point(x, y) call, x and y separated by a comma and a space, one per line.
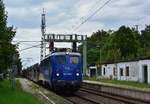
point(122, 44)
point(7, 49)
point(15, 96)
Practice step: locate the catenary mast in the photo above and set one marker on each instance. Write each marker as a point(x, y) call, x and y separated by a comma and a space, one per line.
point(43, 30)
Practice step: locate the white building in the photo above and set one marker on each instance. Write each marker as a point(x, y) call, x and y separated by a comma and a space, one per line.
point(133, 70)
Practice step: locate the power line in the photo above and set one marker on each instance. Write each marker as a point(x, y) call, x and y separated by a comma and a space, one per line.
point(24, 41)
point(143, 17)
point(92, 14)
point(29, 47)
point(27, 44)
point(139, 20)
point(93, 7)
point(74, 29)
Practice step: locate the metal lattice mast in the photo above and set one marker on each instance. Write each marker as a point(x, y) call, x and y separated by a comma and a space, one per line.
point(51, 38)
point(43, 29)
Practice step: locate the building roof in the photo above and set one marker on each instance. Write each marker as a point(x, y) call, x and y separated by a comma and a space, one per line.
point(127, 60)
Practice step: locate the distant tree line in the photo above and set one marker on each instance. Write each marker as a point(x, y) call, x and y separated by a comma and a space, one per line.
point(122, 44)
point(7, 49)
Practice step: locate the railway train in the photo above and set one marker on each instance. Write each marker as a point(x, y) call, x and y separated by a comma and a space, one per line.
point(61, 71)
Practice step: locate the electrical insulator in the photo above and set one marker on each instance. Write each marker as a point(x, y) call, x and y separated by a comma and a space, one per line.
point(51, 46)
point(74, 47)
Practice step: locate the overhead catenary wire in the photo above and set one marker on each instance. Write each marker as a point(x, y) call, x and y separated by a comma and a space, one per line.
point(26, 44)
point(88, 18)
point(139, 20)
point(29, 47)
point(24, 41)
point(94, 7)
point(143, 17)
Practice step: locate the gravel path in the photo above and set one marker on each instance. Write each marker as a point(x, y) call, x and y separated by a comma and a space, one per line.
point(45, 96)
point(31, 87)
point(26, 85)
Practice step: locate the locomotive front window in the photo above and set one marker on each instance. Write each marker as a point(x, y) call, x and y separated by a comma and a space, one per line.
point(74, 60)
point(61, 59)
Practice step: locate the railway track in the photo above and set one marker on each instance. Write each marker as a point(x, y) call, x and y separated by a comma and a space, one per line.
point(76, 99)
point(111, 97)
point(84, 97)
point(91, 96)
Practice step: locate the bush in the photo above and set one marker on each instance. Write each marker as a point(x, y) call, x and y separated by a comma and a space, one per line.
point(1, 76)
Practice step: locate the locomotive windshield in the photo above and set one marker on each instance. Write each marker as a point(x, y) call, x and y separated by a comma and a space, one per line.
point(74, 59)
point(61, 59)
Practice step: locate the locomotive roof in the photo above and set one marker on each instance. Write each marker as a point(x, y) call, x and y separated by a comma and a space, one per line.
point(63, 53)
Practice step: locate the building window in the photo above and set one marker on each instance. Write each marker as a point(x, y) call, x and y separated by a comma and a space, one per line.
point(121, 71)
point(127, 71)
point(104, 71)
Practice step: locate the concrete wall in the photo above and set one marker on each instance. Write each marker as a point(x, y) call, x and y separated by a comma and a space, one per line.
point(141, 74)
point(133, 71)
point(136, 72)
point(121, 91)
point(109, 72)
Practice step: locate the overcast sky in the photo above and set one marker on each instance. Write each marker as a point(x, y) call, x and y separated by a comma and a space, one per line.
point(62, 16)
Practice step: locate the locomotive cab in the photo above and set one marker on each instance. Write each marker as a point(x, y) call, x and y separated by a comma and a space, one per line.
point(67, 73)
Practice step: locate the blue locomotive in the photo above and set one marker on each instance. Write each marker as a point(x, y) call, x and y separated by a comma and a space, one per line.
point(62, 71)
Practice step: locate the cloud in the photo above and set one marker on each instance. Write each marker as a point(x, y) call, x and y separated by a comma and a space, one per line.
point(28, 34)
point(63, 16)
point(24, 3)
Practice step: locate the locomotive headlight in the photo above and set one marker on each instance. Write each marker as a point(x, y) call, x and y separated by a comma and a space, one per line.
point(57, 74)
point(77, 74)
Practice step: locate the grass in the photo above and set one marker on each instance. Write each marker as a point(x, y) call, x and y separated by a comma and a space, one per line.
point(119, 82)
point(15, 96)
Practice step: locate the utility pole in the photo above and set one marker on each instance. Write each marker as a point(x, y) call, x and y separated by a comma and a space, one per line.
point(85, 56)
point(13, 72)
point(99, 59)
point(137, 27)
point(43, 29)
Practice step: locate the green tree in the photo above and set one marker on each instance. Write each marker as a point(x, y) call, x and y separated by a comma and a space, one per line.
point(94, 43)
point(125, 43)
point(144, 50)
point(121, 44)
point(145, 36)
point(125, 40)
point(93, 56)
point(7, 50)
